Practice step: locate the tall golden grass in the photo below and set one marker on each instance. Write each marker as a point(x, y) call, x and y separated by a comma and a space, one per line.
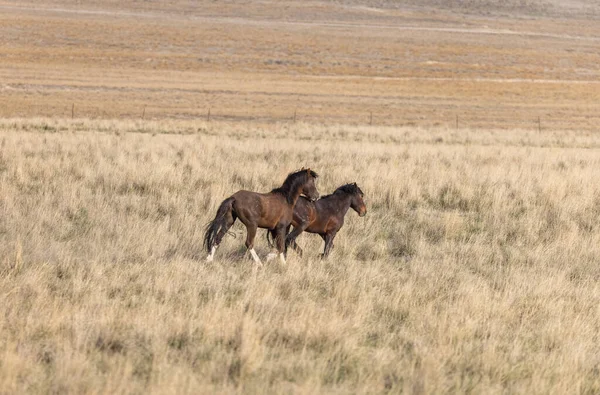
point(475, 270)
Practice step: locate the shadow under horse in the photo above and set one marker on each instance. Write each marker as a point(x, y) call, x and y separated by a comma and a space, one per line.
point(325, 216)
point(273, 211)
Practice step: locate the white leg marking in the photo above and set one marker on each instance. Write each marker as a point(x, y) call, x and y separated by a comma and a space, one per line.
point(271, 256)
point(211, 256)
point(282, 258)
point(255, 256)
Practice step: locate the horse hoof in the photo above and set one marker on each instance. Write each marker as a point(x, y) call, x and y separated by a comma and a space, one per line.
point(209, 259)
point(271, 256)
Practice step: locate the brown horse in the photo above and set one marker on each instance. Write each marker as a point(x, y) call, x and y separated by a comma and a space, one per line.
point(273, 211)
point(325, 216)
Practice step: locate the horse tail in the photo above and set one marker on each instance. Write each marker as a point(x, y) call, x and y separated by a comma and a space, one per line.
point(214, 227)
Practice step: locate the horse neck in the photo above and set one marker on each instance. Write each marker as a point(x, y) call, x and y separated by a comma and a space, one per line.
point(291, 191)
point(294, 194)
point(342, 201)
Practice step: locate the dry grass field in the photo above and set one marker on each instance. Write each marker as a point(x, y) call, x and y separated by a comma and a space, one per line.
point(475, 270)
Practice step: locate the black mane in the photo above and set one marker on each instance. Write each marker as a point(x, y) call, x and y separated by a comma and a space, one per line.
point(348, 189)
point(292, 182)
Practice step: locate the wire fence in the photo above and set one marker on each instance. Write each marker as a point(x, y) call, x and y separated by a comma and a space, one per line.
point(585, 121)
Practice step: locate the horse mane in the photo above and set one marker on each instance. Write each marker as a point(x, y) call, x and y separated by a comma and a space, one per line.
point(291, 183)
point(347, 189)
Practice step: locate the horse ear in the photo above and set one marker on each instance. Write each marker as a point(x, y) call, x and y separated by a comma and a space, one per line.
point(355, 184)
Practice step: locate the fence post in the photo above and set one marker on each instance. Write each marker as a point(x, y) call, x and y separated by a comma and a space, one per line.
point(208, 115)
point(295, 115)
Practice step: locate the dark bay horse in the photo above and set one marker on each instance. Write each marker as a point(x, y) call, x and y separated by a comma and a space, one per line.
point(326, 215)
point(272, 211)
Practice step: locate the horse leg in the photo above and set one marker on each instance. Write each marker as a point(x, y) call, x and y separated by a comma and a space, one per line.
point(287, 233)
point(280, 231)
point(292, 243)
point(296, 248)
point(251, 228)
point(325, 240)
point(328, 243)
point(290, 240)
point(271, 255)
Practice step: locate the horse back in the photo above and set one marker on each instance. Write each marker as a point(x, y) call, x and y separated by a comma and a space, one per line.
point(304, 211)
